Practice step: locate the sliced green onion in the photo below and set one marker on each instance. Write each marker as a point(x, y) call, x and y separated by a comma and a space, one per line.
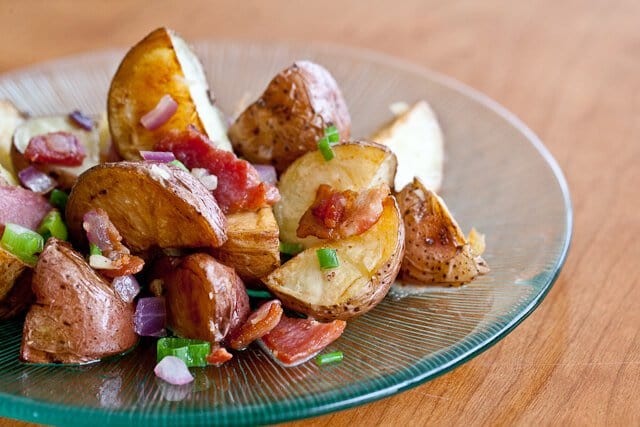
point(53, 226)
point(325, 149)
point(328, 258)
point(22, 242)
point(332, 135)
point(290, 248)
point(191, 352)
point(255, 293)
point(179, 164)
point(324, 359)
point(94, 249)
point(59, 199)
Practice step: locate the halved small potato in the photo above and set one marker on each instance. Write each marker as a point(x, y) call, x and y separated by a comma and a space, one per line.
point(369, 263)
point(151, 205)
point(65, 175)
point(290, 116)
point(356, 165)
point(10, 119)
point(416, 139)
point(252, 247)
point(161, 64)
point(437, 251)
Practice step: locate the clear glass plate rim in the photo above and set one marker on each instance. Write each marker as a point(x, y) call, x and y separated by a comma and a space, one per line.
point(304, 407)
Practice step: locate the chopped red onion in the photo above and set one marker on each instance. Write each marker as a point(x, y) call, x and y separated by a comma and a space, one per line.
point(97, 230)
point(158, 156)
point(127, 287)
point(150, 317)
point(160, 114)
point(173, 370)
point(85, 122)
point(36, 181)
point(267, 173)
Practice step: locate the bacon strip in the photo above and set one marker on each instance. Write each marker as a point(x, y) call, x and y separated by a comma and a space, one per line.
point(218, 356)
point(260, 323)
point(339, 214)
point(295, 341)
point(101, 232)
point(55, 148)
point(239, 185)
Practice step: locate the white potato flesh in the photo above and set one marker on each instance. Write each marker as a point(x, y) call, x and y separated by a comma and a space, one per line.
point(10, 119)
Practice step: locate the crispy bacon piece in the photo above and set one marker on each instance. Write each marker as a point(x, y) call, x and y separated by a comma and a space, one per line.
point(55, 148)
point(295, 341)
point(260, 323)
point(339, 214)
point(239, 186)
point(22, 207)
point(218, 356)
point(101, 232)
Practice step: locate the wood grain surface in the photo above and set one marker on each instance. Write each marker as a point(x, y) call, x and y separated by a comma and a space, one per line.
point(570, 69)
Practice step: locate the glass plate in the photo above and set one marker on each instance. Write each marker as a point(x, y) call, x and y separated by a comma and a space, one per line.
point(498, 177)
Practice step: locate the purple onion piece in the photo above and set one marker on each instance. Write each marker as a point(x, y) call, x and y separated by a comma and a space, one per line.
point(150, 317)
point(267, 173)
point(127, 287)
point(97, 230)
point(85, 122)
point(162, 112)
point(36, 181)
point(158, 156)
point(173, 370)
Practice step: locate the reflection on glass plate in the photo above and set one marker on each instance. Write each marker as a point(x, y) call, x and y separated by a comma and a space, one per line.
point(498, 178)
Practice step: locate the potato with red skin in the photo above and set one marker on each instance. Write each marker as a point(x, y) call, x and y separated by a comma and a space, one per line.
point(290, 116)
point(77, 316)
point(205, 299)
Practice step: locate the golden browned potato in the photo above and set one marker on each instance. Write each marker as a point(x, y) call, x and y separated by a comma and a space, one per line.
point(290, 116)
point(92, 142)
point(356, 166)
point(11, 267)
point(436, 249)
point(161, 64)
point(151, 205)
point(77, 316)
point(19, 298)
point(369, 263)
point(10, 118)
point(252, 247)
point(205, 299)
point(416, 139)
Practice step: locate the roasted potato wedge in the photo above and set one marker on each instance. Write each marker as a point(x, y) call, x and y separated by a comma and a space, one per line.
point(11, 267)
point(290, 116)
point(161, 64)
point(10, 119)
point(19, 298)
point(205, 299)
point(436, 249)
point(369, 263)
point(252, 246)
point(77, 316)
point(65, 175)
point(416, 139)
point(151, 205)
point(356, 165)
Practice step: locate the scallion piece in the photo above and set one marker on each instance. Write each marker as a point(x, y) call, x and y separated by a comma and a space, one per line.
point(22, 242)
point(191, 352)
point(324, 359)
point(94, 249)
point(290, 248)
point(255, 293)
point(328, 258)
point(53, 226)
point(332, 135)
point(58, 198)
point(179, 164)
point(325, 149)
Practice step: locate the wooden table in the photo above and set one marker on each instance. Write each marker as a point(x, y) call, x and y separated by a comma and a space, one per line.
point(570, 69)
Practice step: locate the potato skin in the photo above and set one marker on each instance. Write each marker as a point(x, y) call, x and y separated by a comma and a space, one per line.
point(151, 205)
point(77, 316)
point(19, 298)
point(290, 116)
point(205, 299)
point(252, 247)
point(11, 267)
point(370, 263)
